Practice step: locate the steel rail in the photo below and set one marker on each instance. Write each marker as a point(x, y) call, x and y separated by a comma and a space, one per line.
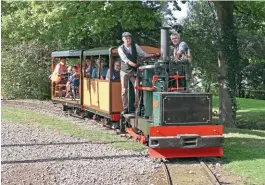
point(210, 174)
point(166, 171)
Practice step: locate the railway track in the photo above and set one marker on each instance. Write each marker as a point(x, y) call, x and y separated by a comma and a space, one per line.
point(174, 174)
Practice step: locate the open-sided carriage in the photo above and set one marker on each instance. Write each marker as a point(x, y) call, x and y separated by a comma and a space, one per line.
point(58, 90)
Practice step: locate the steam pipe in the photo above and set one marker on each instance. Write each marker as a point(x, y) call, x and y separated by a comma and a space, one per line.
point(165, 43)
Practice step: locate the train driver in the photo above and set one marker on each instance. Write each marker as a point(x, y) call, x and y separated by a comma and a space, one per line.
point(128, 53)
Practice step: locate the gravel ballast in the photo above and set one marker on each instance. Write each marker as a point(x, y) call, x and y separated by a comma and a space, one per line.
point(33, 155)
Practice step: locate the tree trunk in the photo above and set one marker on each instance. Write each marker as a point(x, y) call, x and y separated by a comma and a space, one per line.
point(240, 85)
point(228, 59)
point(225, 103)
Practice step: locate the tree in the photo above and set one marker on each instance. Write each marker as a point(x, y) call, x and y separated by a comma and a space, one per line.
point(249, 19)
point(228, 60)
point(200, 32)
point(33, 29)
point(72, 25)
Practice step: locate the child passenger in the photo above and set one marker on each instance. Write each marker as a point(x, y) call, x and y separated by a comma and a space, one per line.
point(73, 82)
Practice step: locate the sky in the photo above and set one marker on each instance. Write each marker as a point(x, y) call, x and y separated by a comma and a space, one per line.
point(184, 11)
point(180, 14)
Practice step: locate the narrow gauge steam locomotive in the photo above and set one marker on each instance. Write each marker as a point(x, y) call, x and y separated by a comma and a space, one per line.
point(169, 119)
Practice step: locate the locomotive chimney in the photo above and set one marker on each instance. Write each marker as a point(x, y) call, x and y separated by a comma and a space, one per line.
point(165, 42)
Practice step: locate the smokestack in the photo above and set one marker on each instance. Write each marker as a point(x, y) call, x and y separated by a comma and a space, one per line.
point(165, 43)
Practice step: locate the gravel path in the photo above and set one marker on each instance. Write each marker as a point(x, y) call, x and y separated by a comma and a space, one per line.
point(32, 155)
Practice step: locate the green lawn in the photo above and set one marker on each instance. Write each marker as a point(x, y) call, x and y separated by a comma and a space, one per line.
point(244, 154)
point(251, 113)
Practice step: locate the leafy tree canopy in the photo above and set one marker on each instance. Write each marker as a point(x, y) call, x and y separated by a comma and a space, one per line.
point(78, 24)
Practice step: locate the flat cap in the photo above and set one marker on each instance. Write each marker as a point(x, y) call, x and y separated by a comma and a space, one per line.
point(125, 34)
point(175, 33)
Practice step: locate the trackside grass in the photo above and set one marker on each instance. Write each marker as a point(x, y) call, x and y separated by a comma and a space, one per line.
point(244, 154)
point(66, 127)
point(251, 113)
point(244, 150)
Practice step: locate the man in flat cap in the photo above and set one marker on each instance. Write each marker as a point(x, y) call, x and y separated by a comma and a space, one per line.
point(128, 53)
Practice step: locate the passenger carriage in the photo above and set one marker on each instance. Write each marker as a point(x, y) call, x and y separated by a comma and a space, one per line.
point(58, 91)
point(98, 96)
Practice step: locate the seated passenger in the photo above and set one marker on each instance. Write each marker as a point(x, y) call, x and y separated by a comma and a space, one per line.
point(73, 83)
point(69, 72)
point(104, 69)
point(68, 84)
point(59, 70)
point(88, 68)
point(115, 72)
point(78, 68)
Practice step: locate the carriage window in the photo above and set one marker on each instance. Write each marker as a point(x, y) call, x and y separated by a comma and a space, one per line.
point(88, 66)
point(101, 68)
point(115, 70)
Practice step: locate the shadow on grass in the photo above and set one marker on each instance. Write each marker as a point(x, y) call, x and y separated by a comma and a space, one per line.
point(62, 159)
point(62, 143)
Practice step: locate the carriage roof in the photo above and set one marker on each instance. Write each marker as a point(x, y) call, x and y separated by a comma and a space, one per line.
point(68, 54)
point(97, 51)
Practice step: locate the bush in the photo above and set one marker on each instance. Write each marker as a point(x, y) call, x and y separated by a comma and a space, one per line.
point(25, 71)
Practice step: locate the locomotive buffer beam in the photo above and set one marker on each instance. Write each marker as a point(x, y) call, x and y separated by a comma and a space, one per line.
point(186, 141)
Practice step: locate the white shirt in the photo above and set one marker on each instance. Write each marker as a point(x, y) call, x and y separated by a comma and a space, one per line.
point(129, 50)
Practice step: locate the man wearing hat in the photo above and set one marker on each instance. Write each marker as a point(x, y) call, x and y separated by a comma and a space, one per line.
point(128, 53)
